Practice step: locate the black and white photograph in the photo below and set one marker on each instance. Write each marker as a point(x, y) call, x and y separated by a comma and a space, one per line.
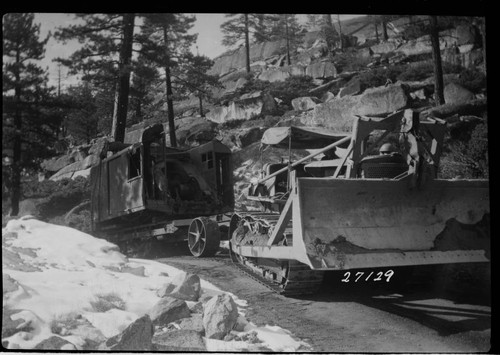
point(210, 182)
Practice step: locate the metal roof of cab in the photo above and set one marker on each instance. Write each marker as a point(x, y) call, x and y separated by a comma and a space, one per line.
point(302, 137)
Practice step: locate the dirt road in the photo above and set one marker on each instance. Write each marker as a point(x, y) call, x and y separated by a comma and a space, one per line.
point(360, 317)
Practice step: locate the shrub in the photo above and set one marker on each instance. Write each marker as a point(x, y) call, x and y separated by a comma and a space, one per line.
point(106, 301)
point(477, 151)
point(63, 187)
point(59, 196)
point(423, 70)
point(467, 157)
point(60, 324)
point(351, 61)
point(231, 124)
point(286, 91)
point(379, 76)
point(474, 80)
point(417, 72)
point(291, 88)
point(81, 221)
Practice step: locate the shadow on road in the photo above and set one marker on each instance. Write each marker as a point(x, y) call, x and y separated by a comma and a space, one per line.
point(445, 302)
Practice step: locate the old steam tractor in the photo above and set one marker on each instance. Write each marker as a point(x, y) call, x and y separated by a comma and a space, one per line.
point(148, 192)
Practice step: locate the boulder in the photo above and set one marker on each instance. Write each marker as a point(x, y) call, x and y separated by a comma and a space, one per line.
point(8, 284)
point(318, 51)
point(219, 316)
point(321, 70)
point(327, 96)
point(194, 129)
point(353, 87)
point(186, 287)
point(9, 325)
point(165, 290)
point(85, 173)
point(297, 70)
point(99, 147)
point(455, 93)
point(364, 53)
point(338, 114)
point(55, 343)
point(195, 322)
point(56, 164)
point(422, 44)
point(273, 75)
point(137, 271)
point(179, 340)
point(304, 103)
point(264, 50)
point(69, 170)
point(167, 310)
point(78, 155)
point(247, 136)
point(382, 100)
point(82, 328)
point(303, 59)
point(384, 47)
point(466, 34)
point(229, 87)
point(248, 106)
point(236, 59)
point(136, 337)
point(418, 94)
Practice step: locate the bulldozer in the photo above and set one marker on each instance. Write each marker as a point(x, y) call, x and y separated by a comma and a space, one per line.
point(359, 212)
point(147, 195)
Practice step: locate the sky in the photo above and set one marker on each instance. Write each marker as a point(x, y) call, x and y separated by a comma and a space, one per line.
point(71, 268)
point(207, 26)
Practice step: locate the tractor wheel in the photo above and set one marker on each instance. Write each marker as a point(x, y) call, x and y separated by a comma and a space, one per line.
point(203, 237)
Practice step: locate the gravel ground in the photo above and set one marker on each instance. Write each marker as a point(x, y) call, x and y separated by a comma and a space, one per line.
point(364, 317)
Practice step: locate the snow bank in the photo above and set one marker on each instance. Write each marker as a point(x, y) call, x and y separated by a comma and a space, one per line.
point(74, 269)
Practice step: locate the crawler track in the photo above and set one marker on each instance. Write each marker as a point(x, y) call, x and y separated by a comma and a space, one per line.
point(286, 277)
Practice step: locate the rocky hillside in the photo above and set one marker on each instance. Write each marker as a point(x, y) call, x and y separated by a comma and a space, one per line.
point(367, 78)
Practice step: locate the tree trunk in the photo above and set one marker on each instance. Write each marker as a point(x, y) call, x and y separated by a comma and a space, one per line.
point(121, 107)
point(376, 32)
point(482, 28)
point(247, 44)
point(202, 114)
point(330, 40)
point(384, 30)
point(289, 62)
point(438, 69)
point(470, 108)
point(170, 104)
point(15, 177)
point(340, 34)
point(15, 180)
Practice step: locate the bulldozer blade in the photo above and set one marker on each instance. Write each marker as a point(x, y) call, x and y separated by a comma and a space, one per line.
point(364, 223)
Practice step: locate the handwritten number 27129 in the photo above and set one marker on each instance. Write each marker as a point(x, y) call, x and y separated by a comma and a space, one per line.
point(360, 276)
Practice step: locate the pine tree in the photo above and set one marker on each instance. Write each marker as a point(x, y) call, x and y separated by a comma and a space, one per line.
point(165, 41)
point(144, 82)
point(234, 30)
point(105, 55)
point(239, 28)
point(23, 90)
point(83, 118)
point(287, 27)
point(195, 79)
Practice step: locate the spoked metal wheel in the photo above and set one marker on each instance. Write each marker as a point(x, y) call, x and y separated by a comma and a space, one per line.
point(203, 237)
